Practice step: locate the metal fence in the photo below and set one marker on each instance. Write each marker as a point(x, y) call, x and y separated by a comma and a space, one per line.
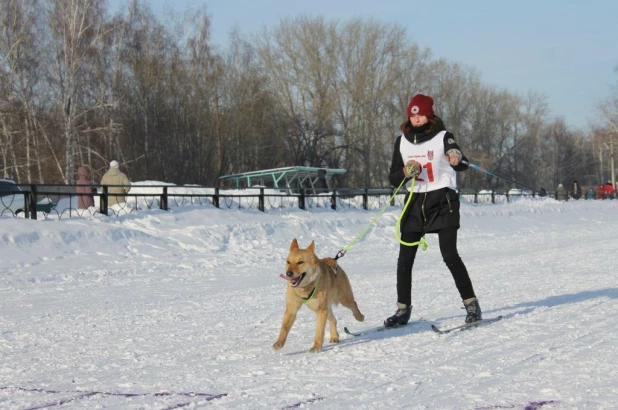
point(37, 201)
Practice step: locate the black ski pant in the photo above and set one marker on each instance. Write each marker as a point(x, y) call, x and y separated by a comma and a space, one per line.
point(448, 247)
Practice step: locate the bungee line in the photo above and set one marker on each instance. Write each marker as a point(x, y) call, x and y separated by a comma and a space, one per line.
point(422, 241)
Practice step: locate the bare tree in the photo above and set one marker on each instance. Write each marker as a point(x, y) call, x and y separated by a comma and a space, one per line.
point(255, 126)
point(609, 114)
point(18, 48)
point(452, 85)
point(77, 87)
point(143, 89)
point(370, 57)
point(78, 31)
point(299, 57)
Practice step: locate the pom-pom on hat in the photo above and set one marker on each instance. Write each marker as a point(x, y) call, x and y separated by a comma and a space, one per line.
point(421, 105)
point(114, 164)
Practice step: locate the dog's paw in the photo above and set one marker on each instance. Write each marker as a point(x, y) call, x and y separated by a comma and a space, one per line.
point(360, 317)
point(334, 339)
point(315, 349)
point(278, 345)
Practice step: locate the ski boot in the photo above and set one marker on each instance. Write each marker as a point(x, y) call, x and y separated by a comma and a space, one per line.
point(401, 317)
point(473, 309)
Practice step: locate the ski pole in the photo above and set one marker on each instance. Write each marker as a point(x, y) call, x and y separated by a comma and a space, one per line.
point(496, 175)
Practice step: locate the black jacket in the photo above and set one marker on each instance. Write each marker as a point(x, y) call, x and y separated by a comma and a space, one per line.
point(428, 212)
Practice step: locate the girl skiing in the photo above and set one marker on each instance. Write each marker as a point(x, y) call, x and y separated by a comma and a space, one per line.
point(427, 152)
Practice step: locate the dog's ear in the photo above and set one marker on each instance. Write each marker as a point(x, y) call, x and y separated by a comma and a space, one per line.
point(311, 247)
point(294, 244)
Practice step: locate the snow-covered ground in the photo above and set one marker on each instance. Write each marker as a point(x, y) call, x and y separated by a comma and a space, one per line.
point(179, 309)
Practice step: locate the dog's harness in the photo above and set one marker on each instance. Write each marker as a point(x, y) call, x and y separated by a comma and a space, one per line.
point(315, 288)
point(311, 295)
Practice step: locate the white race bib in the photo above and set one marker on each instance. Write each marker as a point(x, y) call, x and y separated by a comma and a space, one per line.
point(436, 172)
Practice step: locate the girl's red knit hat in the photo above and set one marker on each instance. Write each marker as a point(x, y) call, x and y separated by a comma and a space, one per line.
point(421, 105)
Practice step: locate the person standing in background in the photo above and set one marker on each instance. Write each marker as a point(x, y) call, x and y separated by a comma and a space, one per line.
point(590, 194)
point(116, 177)
point(577, 190)
point(85, 199)
point(609, 190)
point(321, 184)
point(601, 192)
point(561, 193)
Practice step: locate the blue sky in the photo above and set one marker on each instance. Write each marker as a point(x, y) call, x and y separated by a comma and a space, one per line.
point(564, 49)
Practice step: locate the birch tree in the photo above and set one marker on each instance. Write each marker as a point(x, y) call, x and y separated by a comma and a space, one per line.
point(77, 29)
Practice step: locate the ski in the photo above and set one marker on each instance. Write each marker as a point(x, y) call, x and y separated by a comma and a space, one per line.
point(466, 326)
point(371, 330)
point(377, 329)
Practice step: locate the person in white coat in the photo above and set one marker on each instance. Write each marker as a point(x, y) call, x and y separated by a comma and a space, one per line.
point(116, 177)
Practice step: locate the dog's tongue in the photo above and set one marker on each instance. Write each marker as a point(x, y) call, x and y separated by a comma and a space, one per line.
point(284, 277)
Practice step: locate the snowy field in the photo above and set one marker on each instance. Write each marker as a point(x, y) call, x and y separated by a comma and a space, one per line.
point(179, 309)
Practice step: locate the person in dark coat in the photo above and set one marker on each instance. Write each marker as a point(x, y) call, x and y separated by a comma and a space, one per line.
point(576, 192)
point(427, 152)
point(85, 199)
point(321, 185)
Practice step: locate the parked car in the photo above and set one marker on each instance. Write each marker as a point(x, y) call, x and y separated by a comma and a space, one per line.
point(10, 204)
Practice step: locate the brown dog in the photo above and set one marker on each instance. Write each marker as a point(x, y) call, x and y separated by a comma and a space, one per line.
point(320, 284)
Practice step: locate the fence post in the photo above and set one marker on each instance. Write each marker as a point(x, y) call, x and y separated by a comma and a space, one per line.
point(301, 199)
point(476, 197)
point(33, 197)
point(215, 198)
point(493, 196)
point(333, 201)
point(261, 200)
point(103, 201)
point(392, 196)
point(163, 202)
point(27, 203)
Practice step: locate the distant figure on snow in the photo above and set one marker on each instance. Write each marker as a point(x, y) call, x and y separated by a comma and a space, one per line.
point(609, 190)
point(561, 193)
point(590, 194)
point(601, 192)
point(576, 192)
point(321, 185)
point(115, 177)
point(84, 188)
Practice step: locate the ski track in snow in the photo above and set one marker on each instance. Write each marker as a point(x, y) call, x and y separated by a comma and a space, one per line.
point(141, 311)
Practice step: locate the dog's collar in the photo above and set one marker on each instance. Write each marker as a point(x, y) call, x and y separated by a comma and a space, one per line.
point(311, 295)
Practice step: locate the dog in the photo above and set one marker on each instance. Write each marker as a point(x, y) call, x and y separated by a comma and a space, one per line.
point(320, 284)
